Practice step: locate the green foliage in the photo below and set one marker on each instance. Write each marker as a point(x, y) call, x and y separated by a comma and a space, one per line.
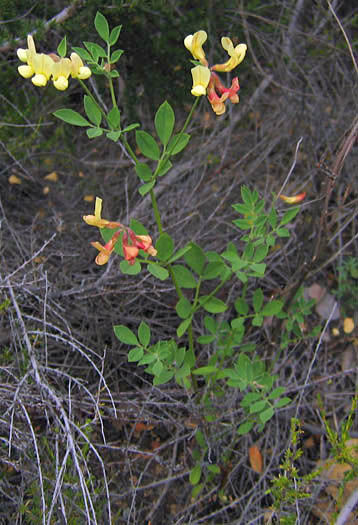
point(347, 288)
point(290, 487)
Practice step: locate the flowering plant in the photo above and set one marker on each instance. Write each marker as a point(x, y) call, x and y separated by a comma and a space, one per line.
point(232, 362)
point(205, 80)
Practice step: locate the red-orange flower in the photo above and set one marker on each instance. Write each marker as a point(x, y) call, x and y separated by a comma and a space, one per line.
point(106, 250)
point(294, 199)
point(144, 242)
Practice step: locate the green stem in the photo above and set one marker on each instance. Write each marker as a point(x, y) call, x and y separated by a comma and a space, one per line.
point(158, 220)
point(113, 95)
point(85, 88)
point(129, 149)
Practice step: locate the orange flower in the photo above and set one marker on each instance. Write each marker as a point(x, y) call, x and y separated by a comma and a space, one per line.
point(130, 253)
point(294, 199)
point(106, 250)
point(144, 242)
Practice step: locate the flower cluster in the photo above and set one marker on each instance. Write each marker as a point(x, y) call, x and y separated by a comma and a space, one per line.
point(42, 67)
point(131, 243)
point(205, 80)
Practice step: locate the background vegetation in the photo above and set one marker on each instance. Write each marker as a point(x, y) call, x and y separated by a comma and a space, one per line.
point(85, 437)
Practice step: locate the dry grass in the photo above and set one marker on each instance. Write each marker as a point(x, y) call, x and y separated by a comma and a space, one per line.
point(85, 436)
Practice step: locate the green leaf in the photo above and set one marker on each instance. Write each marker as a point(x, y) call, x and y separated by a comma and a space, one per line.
point(62, 47)
point(183, 308)
point(143, 190)
point(101, 26)
point(94, 132)
point(289, 215)
point(114, 118)
point(245, 428)
point(196, 491)
point(258, 269)
point(277, 392)
point(260, 253)
point(213, 270)
point(113, 37)
point(182, 328)
point(258, 299)
point(282, 232)
point(266, 415)
point(157, 368)
point(92, 110)
point(243, 224)
point(257, 320)
point(164, 246)
point(206, 339)
point(205, 370)
point(272, 308)
point(195, 258)
point(272, 218)
point(258, 406)
point(241, 306)
point(244, 209)
point(163, 377)
point(184, 277)
point(113, 135)
point(95, 50)
point(71, 117)
point(200, 439)
point(114, 74)
point(135, 354)
point(195, 474)
point(179, 355)
point(164, 122)
point(144, 334)
point(125, 335)
point(249, 399)
point(179, 254)
point(147, 145)
point(160, 273)
point(215, 469)
point(147, 359)
point(130, 269)
point(143, 171)
point(283, 402)
point(138, 227)
point(83, 54)
point(130, 127)
point(115, 56)
point(249, 197)
point(178, 143)
point(164, 167)
point(212, 305)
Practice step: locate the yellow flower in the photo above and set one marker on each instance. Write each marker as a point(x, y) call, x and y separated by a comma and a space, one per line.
point(39, 66)
point(78, 69)
point(194, 43)
point(42, 66)
point(201, 77)
point(27, 55)
point(236, 54)
point(61, 70)
point(96, 220)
